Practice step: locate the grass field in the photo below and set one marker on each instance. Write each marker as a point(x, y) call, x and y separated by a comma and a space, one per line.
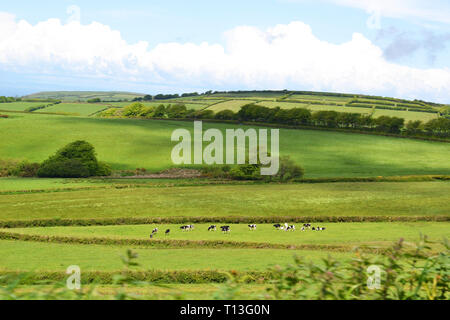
point(324, 199)
point(128, 144)
point(20, 106)
point(83, 109)
point(28, 256)
point(84, 95)
point(123, 211)
point(368, 233)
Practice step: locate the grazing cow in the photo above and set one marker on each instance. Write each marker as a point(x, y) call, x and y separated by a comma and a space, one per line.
point(320, 228)
point(252, 226)
point(313, 228)
point(151, 236)
point(307, 225)
point(167, 232)
point(277, 226)
point(212, 228)
point(187, 227)
point(225, 229)
point(190, 227)
point(290, 228)
point(302, 229)
point(155, 230)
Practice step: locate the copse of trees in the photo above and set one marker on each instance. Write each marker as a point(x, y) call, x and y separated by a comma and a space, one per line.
point(94, 100)
point(75, 160)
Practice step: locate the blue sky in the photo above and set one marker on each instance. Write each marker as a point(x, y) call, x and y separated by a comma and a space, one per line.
point(401, 48)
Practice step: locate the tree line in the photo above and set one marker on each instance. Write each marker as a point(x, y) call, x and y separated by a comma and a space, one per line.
point(439, 127)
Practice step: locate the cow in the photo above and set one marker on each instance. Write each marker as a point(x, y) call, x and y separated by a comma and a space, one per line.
point(290, 228)
point(277, 226)
point(252, 226)
point(187, 227)
point(225, 229)
point(155, 230)
point(212, 228)
point(307, 225)
point(167, 232)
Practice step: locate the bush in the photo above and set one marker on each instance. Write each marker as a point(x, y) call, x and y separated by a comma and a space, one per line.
point(76, 160)
point(103, 169)
point(27, 169)
point(94, 100)
point(63, 168)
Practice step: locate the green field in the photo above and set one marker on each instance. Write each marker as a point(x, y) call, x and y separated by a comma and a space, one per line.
point(84, 95)
point(323, 199)
point(20, 106)
point(29, 256)
point(103, 217)
point(369, 233)
point(83, 109)
point(129, 144)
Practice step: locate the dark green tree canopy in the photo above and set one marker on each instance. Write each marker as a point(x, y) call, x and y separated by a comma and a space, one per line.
point(77, 159)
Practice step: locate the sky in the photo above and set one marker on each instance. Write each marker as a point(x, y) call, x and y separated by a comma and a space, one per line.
point(397, 48)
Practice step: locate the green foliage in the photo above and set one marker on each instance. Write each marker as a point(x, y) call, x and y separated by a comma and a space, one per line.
point(63, 168)
point(408, 273)
point(75, 160)
point(133, 110)
point(94, 100)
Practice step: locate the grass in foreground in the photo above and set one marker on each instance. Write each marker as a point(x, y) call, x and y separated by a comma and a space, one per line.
point(31, 256)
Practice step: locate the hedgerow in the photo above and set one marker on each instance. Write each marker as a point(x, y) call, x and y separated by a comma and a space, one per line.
point(202, 219)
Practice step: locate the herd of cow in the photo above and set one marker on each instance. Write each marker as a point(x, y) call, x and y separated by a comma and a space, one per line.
point(227, 229)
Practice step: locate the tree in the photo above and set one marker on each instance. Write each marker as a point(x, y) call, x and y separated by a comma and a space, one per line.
point(133, 110)
point(77, 159)
point(225, 115)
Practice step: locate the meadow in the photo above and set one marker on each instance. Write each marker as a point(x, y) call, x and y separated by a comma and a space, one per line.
point(131, 143)
point(49, 224)
point(274, 200)
point(83, 109)
point(345, 234)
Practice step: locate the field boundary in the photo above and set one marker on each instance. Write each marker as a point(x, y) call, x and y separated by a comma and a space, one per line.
point(212, 182)
point(154, 276)
point(10, 224)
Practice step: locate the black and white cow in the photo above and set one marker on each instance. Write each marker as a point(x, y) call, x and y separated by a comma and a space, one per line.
point(277, 226)
point(155, 230)
point(167, 232)
point(307, 225)
point(188, 227)
point(252, 226)
point(225, 229)
point(212, 228)
point(290, 228)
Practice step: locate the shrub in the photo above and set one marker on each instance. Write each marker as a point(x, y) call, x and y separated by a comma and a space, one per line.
point(94, 100)
point(63, 168)
point(27, 169)
point(103, 169)
point(77, 159)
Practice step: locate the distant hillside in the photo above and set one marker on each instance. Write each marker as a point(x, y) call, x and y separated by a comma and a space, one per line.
point(84, 95)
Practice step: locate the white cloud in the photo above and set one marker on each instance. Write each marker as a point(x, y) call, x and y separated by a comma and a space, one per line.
point(285, 56)
point(430, 10)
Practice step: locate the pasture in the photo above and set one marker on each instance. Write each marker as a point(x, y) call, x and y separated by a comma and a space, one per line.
point(131, 143)
point(345, 234)
point(50, 224)
point(82, 109)
point(263, 200)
